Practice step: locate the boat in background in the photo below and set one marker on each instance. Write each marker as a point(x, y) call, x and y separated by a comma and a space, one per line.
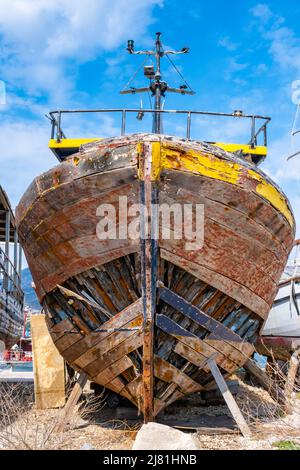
point(280, 335)
point(144, 316)
point(11, 294)
point(284, 317)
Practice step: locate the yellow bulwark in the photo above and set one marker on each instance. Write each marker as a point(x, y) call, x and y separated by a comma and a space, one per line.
point(67, 147)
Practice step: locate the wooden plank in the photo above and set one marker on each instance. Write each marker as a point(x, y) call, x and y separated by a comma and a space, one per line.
point(49, 367)
point(149, 253)
point(170, 374)
point(218, 330)
point(116, 385)
point(118, 321)
point(290, 380)
point(113, 371)
point(223, 263)
point(72, 401)
point(108, 343)
point(70, 337)
point(230, 401)
point(220, 235)
point(217, 210)
point(129, 345)
point(193, 343)
point(230, 287)
point(196, 358)
point(59, 329)
point(83, 327)
point(135, 389)
point(243, 200)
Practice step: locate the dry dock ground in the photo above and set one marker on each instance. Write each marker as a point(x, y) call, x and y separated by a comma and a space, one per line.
point(94, 426)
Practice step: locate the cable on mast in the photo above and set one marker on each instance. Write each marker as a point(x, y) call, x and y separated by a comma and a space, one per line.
point(157, 86)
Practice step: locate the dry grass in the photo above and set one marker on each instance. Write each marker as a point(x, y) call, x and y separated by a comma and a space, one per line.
point(22, 426)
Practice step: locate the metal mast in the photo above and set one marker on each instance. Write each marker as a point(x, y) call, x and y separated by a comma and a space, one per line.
point(157, 86)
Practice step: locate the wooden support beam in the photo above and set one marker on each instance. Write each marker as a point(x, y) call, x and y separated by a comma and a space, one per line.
point(228, 397)
point(49, 368)
point(72, 401)
point(149, 252)
point(290, 380)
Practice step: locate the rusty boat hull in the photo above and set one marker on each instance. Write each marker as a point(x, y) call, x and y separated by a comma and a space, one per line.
point(139, 317)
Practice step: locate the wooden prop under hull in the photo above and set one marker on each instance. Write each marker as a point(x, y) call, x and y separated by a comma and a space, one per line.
point(141, 317)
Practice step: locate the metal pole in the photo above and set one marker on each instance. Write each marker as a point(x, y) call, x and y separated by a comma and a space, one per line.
point(7, 239)
point(157, 116)
point(253, 132)
point(20, 263)
point(58, 135)
point(188, 129)
point(15, 259)
point(123, 122)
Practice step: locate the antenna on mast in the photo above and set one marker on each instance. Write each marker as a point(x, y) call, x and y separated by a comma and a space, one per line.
point(157, 86)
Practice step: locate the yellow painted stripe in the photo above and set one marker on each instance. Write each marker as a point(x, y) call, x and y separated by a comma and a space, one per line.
point(246, 149)
point(271, 193)
point(204, 164)
point(224, 170)
point(70, 143)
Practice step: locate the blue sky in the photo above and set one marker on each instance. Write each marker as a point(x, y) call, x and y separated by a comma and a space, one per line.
point(71, 53)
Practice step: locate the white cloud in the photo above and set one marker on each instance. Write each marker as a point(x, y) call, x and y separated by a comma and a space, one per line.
point(262, 11)
point(233, 67)
point(284, 45)
point(285, 48)
point(42, 43)
point(24, 147)
point(228, 44)
point(24, 154)
point(39, 37)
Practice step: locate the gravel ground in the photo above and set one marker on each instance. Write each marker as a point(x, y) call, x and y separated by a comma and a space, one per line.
point(35, 429)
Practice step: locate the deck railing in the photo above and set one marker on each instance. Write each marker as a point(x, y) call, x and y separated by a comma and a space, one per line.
point(258, 124)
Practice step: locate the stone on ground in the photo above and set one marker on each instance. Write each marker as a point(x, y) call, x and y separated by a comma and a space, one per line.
point(155, 436)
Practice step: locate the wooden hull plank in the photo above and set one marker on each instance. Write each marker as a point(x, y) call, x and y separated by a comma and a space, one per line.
point(226, 285)
point(170, 374)
point(107, 344)
point(195, 345)
point(59, 329)
point(202, 319)
point(118, 321)
point(227, 215)
point(116, 369)
point(132, 343)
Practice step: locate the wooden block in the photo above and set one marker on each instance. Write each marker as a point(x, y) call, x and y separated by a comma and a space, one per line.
point(49, 368)
point(169, 373)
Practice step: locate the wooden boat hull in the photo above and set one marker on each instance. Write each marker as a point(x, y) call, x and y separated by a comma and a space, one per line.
point(11, 319)
point(142, 317)
point(11, 295)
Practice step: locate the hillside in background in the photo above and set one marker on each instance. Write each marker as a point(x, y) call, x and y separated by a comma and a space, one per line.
point(30, 295)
